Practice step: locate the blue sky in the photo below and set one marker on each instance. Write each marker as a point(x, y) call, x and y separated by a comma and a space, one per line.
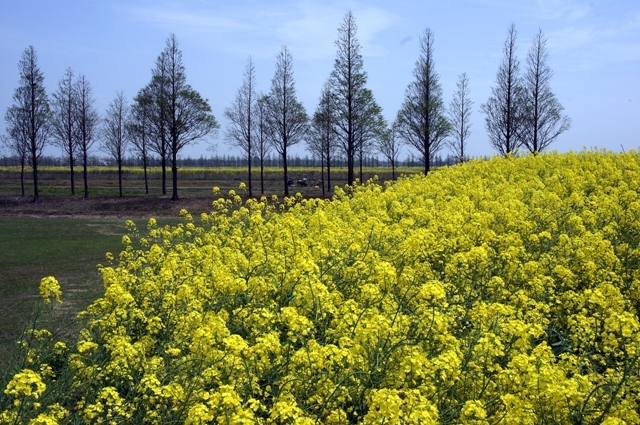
point(594, 51)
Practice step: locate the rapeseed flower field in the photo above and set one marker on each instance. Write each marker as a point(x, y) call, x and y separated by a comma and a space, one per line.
point(495, 292)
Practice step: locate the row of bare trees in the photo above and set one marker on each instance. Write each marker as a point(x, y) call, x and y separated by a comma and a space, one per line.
point(348, 123)
point(168, 114)
point(69, 121)
point(522, 110)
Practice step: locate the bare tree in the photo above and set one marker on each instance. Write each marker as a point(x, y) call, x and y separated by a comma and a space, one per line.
point(88, 121)
point(321, 141)
point(263, 144)
point(505, 108)
point(421, 121)
point(241, 116)
point(370, 125)
point(287, 120)
point(114, 134)
point(28, 119)
point(139, 129)
point(389, 145)
point(189, 116)
point(348, 79)
point(65, 121)
point(460, 118)
point(544, 121)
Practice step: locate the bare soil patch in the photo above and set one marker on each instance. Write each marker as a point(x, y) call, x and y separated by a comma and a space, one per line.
point(108, 206)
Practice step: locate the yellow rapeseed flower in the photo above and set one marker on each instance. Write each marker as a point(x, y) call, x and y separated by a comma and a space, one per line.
point(50, 289)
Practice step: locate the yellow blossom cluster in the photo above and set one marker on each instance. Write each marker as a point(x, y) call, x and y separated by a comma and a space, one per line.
point(502, 291)
point(50, 289)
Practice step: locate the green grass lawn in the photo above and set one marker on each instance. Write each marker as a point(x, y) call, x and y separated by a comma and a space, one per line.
point(68, 249)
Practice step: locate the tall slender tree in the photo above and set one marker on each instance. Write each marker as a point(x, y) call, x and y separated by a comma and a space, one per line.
point(188, 115)
point(321, 141)
point(28, 119)
point(88, 122)
point(139, 129)
point(460, 118)
point(505, 109)
point(286, 117)
point(348, 80)
point(370, 126)
point(16, 141)
point(156, 95)
point(543, 121)
point(114, 133)
point(421, 121)
point(65, 121)
point(241, 117)
point(158, 90)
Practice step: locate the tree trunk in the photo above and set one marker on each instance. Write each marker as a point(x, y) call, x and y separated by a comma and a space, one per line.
point(262, 175)
point(284, 163)
point(249, 167)
point(328, 174)
point(146, 179)
point(120, 176)
point(73, 182)
point(22, 176)
point(427, 163)
point(349, 167)
point(322, 177)
point(35, 177)
point(84, 174)
point(174, 172)
point(164, 174)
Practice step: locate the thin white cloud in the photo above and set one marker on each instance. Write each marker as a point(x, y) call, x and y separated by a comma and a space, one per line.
point(186, 20)
point(309, 28)
point(518, 8)
point(570, 38)
point(371, 22)
point(566, 10)
point(542, 10)
point(594, 35)
point(312, 28)
point(231, 27)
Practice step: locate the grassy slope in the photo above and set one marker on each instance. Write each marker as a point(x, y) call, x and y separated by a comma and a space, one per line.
point(66, 248)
